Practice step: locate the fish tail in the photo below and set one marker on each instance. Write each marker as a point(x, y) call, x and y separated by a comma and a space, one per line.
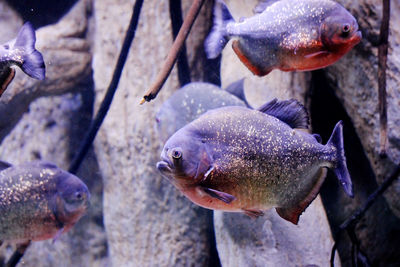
point(218, 36)
point(340, 168)
point(32, 60)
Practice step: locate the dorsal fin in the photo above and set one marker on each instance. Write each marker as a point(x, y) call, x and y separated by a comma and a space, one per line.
point(4, 165)
point(291, 111)
point(237, 89)
point(262, 5)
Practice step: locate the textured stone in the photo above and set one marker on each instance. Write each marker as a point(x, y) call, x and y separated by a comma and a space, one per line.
point(148, 222)
point(66, 54)
point(355, 81)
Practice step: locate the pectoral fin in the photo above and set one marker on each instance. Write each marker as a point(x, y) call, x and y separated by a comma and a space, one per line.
point(293, 213)
point(225, 197)
point(317, 54)
point(58, 234)
point(4, 165)
point(291, 112)
point(253, 213)
point(253, 68)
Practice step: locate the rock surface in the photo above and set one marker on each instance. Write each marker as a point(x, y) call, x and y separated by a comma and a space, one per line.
point(147, 220)
point(66, 54)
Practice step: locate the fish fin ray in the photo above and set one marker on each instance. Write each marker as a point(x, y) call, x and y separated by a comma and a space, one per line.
point(253, 213)
point(58, 234)
point(225, 197)
point(318, 138)
point(262, 5)
point(218, 37)
point(340, 169)
point(33, 63)
point(254, 69)
point(6, 79)
point(4, 165)
point(237, 89)
point(291, 111)
point(292, 214)
point(317, 54)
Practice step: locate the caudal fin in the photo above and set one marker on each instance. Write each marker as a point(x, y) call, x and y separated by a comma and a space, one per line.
point(218, 37)
point(33, 63)
point(340, 169)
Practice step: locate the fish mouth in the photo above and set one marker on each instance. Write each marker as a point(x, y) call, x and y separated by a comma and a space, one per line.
point(163, 167)
point(356, 38)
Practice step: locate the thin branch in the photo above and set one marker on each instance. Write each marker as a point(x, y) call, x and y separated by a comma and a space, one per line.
point(382, 59)
point(102, 112)
point(112, 88)
point(173, 53)
point(358, 214)
point(175, 12)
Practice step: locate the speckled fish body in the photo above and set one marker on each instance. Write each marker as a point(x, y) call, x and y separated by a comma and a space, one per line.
point(242, 160)
point(21, 52)
point(288, 35)
point(191, 101)
point(39, 201)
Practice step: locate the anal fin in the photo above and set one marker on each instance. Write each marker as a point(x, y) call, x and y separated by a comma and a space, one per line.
point(293, 213)
point(254, 69)
point(253, 213)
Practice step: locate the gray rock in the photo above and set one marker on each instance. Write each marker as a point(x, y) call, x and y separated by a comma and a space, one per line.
point(66, 54)
point(51, 128)
point(148, 222)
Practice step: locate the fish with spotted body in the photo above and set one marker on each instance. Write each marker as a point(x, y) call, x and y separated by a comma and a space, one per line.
point(22, 53)
point(39, 201)
point(243, 160)
point(287, 35)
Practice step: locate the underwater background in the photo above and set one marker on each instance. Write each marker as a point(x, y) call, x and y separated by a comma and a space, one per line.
point(137, 217)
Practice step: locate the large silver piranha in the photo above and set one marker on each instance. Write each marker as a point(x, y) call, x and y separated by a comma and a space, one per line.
point(287, 35)
point(22, 53)
point(242, 160)
point(39, 201)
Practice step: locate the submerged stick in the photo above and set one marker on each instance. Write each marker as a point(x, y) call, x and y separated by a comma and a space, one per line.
point(382, 59)
point(358, 214)
point(175, 12)
point(173, 53)
point(102, 112)
point(112, 88)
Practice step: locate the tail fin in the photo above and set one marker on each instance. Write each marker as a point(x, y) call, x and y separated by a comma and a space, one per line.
point(218, 38)
point(340, 169)
point(33, 63)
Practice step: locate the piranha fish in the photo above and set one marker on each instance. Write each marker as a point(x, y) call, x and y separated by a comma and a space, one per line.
point(191, 101)
point(287, 35)
point(238, 159)
point(39, 201)
point(22, 53)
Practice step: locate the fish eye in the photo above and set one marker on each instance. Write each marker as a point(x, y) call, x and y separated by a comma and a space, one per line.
point(176, 154)
point(6, 46)
point(345, 30)
point(78, 195)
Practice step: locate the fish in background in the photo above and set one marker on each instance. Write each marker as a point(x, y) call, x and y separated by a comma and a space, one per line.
point(22, 53)
point(39, 201)
point(285, 34)
point(192, 100)
point(244, 160)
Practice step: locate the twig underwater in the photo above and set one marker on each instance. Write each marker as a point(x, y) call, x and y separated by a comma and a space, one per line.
point(175, 11)
point(174, 52)
point(382, 65)
point(350, 223)
point(101, 113)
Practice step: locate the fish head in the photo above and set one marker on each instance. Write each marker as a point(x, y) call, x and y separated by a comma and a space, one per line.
point(339, 31)
point(183, 159)
point(72, 198)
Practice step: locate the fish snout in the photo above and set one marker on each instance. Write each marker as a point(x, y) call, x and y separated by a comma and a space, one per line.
point(164, 167)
